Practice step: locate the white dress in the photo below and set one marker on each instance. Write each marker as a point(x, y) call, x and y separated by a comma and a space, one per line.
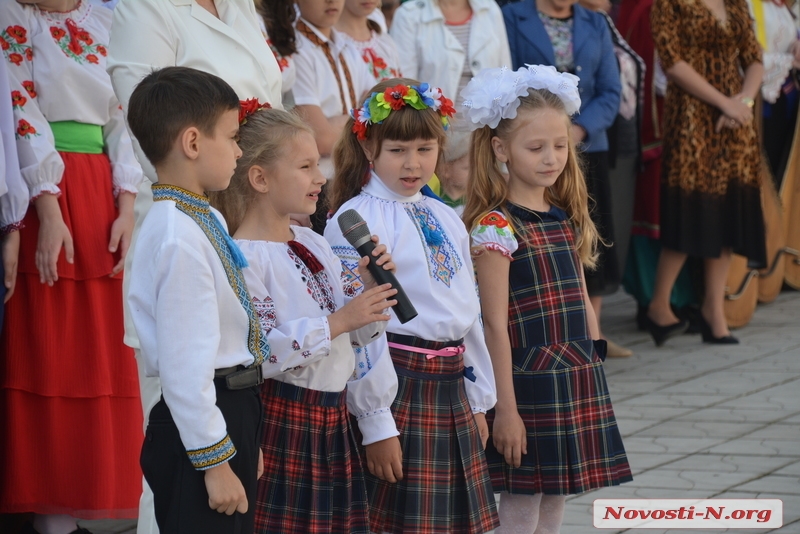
point(439, 281)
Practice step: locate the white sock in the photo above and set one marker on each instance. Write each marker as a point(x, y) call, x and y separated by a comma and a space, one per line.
point(518, 513)
point(551, 514)
point(54, 524)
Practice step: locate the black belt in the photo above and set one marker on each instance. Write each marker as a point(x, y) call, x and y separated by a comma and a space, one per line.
point(240, 377)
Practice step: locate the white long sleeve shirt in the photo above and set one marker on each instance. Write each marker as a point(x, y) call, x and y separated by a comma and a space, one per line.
point(190, 322)
point(293, 305)
point(56, 69)
point(439, 282)
point(13, 191)
point(152, 34)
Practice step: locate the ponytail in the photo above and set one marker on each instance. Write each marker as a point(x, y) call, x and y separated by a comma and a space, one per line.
point(279, 17)
point(488, 187)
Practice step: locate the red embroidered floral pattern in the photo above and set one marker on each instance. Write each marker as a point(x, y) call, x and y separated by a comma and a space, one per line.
point(77, 43)
point(377, 65)
point(17, 100)
point(29, 86)
point(265, 309)
point(494, 219)
point(13, 41)
point(25, 130)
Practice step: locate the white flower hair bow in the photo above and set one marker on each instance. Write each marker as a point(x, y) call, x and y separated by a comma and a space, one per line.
point(494, 93)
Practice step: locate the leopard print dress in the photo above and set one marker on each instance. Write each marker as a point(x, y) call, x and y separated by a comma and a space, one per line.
point(710, 181)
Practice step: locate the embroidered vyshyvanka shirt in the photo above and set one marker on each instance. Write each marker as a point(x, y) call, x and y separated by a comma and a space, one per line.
point(294, 302)
point(380, 55)
point(438, 279)
point(56, 66)
point(191, 321)
point(13, 191)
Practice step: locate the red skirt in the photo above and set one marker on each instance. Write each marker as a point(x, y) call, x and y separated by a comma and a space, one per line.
point(70, 415)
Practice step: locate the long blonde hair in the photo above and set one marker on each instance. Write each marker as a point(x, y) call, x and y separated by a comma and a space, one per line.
point(404, 124)
point(489, 189)
point(262, 139)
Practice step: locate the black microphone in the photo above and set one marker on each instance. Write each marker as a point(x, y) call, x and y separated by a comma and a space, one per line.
point(357, 233)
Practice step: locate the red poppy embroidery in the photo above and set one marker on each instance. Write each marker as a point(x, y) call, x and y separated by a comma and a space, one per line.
point(85, 37)
point(91, 58)
point(17, 100)
point(4, 44)
point(29, 86)
point(494, 219)
point(29, 54)
point(394, 96)
point(75, 47)
point(57, 33)
point(18, 33)
point(102, 50)
point(15, 58)
point(24, 129)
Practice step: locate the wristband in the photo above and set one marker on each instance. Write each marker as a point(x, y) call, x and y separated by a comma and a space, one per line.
point(747, 101)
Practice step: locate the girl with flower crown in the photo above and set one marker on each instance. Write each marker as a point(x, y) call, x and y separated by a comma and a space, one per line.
point(70, 418)
point(421, 408)
point(553, 429)
point(313, 481)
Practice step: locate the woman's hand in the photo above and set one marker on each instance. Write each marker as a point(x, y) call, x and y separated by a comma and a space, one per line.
point(509, 435)
point(122, 230)
point(733, 108)
point(10, 262)
point(53, 236)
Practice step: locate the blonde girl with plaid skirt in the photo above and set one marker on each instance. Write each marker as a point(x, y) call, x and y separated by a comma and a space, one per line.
point(421, 408)
point(313, 481)
point(553, 430)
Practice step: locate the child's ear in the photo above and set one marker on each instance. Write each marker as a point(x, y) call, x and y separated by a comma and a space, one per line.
point(499, 148)
point(367, 148)
point(190, 142)
point(258, 179)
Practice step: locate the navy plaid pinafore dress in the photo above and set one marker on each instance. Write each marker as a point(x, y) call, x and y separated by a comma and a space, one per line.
point(574, 444)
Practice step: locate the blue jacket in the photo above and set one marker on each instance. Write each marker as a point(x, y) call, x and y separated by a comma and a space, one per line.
point(595, 63)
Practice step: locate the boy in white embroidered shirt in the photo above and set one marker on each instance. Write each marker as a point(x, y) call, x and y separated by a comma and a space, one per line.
point(198, 329)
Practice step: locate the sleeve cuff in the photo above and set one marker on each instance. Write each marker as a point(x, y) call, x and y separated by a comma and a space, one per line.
point(13, 227)
point(477, 409)
point(213, 455)
point(377, 425)
point(44, 188)
point(125, 188)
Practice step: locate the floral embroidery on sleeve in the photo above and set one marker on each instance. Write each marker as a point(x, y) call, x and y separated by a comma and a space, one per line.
point(30, 87)
point(13, 40)
point(494, 233)
point(25, 130)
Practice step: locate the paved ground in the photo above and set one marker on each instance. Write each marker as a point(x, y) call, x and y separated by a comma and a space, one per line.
point(698, 420)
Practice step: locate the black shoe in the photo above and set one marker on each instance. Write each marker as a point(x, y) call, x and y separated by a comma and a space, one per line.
point(692, 314)
point(662, 333)
point(641, 318)
point(708, 335)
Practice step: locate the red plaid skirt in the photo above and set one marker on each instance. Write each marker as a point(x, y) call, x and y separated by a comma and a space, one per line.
point(446, 486)
point(313, 481)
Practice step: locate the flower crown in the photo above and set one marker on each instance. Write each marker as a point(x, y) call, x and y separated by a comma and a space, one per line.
point(379, 105)
point(250, 106)
point(494, 93)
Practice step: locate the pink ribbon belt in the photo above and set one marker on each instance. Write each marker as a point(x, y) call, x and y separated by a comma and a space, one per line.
point(430, 354)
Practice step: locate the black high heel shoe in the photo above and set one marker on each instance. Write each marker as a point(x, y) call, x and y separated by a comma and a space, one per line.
point(662, 333)
point(708, 335)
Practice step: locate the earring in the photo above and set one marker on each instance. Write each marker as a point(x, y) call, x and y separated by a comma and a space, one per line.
point(371, 167)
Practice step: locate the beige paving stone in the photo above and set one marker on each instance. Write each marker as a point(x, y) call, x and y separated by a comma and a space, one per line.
point(778, 484)
point(764, 447)
point(727, 463)
point(778, 431)
point(733, 415)
point(700, 429)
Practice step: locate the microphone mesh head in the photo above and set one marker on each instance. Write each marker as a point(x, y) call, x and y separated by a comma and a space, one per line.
point(353, 227)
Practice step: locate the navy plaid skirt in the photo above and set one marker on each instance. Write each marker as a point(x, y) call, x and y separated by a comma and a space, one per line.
point(574, 444)
point(313, 481)
point(446, 486)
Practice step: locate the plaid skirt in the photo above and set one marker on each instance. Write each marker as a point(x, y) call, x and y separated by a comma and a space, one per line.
point(446, 486)
point(313, 481)
point(574, 444)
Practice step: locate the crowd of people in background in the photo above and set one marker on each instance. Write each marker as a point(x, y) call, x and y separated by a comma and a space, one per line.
point(656, 182)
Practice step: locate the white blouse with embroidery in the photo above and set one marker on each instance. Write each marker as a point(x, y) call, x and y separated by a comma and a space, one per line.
point(380, 55)
point(781, 32)
point(438, 279)
point(494, 233)
point(293, 305)
point(56, 67)
point(13, 191)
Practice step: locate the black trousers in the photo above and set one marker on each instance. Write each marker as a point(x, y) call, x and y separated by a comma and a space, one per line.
point(179, 490)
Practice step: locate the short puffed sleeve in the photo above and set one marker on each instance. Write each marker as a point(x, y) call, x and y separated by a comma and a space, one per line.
point(494, 233)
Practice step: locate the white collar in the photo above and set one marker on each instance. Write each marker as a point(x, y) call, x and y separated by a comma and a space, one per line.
point(377, 188)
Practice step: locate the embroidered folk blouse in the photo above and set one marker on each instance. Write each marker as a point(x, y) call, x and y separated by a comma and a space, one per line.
point(380, 55)
point(293, 304)
point(56, 68)
point(438, 279)
point(13, 191)
point(190, 322)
